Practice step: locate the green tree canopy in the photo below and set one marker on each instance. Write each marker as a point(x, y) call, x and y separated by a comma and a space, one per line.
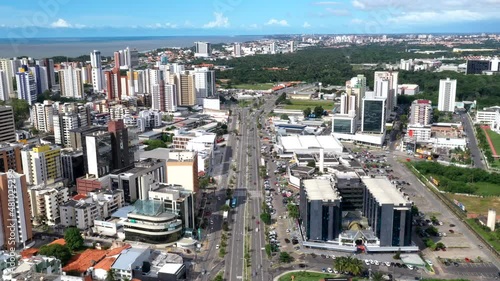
point(285, 257)
point(318, 111)
point(73, 237)
point(307, 112)
point(58, 251)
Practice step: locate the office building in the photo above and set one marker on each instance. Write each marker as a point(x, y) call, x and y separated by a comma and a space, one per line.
point(45, 201)
point(42, 115)
point(10, 157)
point(51, 75)
point(99, 154)
point(447, 95)
point(97, 73)
point(137, 179)
point(204, 83)
point(477, 66)
point(350, 187)
point(176, 200)
point(420, 113)
point(119, 144)
point(16, 228)
point(320, 210)
point(4, 86)
point(9, 72)
point(202, 49)
point(26, 86)
point(71, 83)
point(182, 169)
point(373, 114)
point(388, 212)
point(150, 223)
point(113, 84)
point(41, 164)
point(237, 50)
point(345, 124)
point(386, 86)
point(7, 125)
point(73, 165)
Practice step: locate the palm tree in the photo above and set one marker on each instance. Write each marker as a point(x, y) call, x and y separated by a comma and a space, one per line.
point(355, 266)
point(377, 276)
point(340, 264)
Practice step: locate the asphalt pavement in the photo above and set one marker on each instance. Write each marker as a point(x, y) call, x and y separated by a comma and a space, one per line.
point(474, 149)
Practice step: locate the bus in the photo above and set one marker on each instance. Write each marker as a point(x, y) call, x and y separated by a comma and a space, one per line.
point(233, 202)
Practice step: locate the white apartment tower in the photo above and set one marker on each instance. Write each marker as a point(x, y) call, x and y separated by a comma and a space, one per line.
point(386, 86)
point(202, 49)
point(6, 66)
point(97, 73)
point(71, 82)
point(42, 116)
point(204, 83)
point(4, 87)
point(237, 50)
point(421, 113)
point(447, 95)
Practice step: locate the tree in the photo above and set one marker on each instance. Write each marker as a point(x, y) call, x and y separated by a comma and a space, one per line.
point(74, 239)
point(349, 264)
point(318, 111)
point(293, 211)
point(307, 112)
point(285, 257)
point(111, 276)
point(225, 208)
point(218, 277)
point(403, 118)
point(204, 181)
point(377, 276)
point(311, 164)
point(21, 110)
point(284, 117)
point(58, 251)
point(265, 218)
point(153, 144)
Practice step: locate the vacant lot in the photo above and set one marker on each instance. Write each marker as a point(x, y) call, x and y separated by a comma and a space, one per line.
point(256, 87)
point(305, 276)
point(303, 104)
point(477, 205)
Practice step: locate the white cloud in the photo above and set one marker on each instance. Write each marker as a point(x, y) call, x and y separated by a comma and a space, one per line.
point(437, 17)
point(306, 25)
point(61, 23)
point(326, 3)
point(253, 26)
point(337, 12)
point(220, 21)
point(358, 4)
point(357, 21)
point(277, 22)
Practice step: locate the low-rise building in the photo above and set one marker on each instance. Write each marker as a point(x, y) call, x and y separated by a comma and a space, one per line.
point(45, 201)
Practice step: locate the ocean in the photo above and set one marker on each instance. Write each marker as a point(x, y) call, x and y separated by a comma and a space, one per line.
point(74, 47)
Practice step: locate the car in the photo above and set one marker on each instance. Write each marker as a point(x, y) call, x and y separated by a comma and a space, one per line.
point(301, 265)
point(323, 269)
point(410, 267)
point(372, 262)
point(333, 257)
point(452, 231)
point(376, 262)
point(456, 264)
point(323, 256)
point(330, 270)
point(287, 230)
point(287, 240)
point(429, 262)
point(217, 247)
point(387, 263)
point(452, 225)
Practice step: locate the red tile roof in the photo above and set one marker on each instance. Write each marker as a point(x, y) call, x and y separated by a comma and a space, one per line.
point(116, 251)
point(59, 241)
point(28, 253)
point(105, 263)
point(79, 196)
point(81, 262)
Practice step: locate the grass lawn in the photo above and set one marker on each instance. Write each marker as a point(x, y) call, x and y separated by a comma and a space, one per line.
point(495, 139)
point(477, 205)
point(305, 276)
point(256, 87)
point(489, 236)
point(487, 189)
point(303, 104)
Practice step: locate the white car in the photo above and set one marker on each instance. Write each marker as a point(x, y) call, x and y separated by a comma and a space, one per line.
point(376, 262)
point(372, 262)
point(334, 257)
point(429, 262)
point(410, 267)
point(367, 262)
point(387, 263)
point(330, 270)
point(335, 271)
point(217, 246)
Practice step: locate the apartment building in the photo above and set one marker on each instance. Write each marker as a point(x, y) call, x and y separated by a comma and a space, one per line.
point(42, 164)
point(45, 201)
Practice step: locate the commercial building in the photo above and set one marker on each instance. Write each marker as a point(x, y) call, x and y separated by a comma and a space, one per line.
point(320, 210)
point(119, 143)
point(182, 169)
point(99, 153)
point(73, 165)
point(26, 85)
point(45, 201)
point(97, 73)
point(10, 158)
point(42, 115)
point(420, 113)
point(202, 49)
point(388, 212)
point(350, 187)
point(137, 179)
point(306, 144)
point(176, 200)
point(42, 164)
point(7, 125)
point(344, 124)
point(373, 114)
point(477, 66)
point(71, 83)
point(150, 223)
point(447, 95)
point(204, 83)
point(408, 89)
point(16, 227)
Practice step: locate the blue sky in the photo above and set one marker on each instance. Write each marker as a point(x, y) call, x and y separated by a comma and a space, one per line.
point(40, 18)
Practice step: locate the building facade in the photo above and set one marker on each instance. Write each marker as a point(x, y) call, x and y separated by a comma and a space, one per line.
point(447, 95)
point(42, 164)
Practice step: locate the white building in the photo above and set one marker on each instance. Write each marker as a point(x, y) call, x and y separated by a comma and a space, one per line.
point(9, 72)
point(202, 49)
point(45, 201)
point(42, 164)
point(307, 144)
point(408, 89)
point(447, 95)
point(71, 82)
point(26, 86)
point(97, 73)
point(237, 50)
point(4, 86)
point(386, 86)
point(152, 118)
point(42, 116)
point(406, 65)
point(421, 113)
point(211, 103)
point(204, 80)
point(419, 133)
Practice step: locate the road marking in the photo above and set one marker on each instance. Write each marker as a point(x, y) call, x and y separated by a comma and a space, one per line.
point(239, 277)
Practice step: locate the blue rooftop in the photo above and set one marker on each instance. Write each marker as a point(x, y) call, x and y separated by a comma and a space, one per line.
point(127, 258)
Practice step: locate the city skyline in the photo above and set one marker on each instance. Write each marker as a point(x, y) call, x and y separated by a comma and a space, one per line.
point(57, 18)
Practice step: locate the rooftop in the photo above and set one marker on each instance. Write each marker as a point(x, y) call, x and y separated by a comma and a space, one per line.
point(81, 262)
point(310, 142)
point(320, 189)
point(384, 191)
point(127, 257)
point(346, 175)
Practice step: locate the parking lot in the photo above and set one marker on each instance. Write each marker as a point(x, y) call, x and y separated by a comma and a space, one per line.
point(485, 270)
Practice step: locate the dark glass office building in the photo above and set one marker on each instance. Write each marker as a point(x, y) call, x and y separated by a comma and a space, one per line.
point(344, 125)
point(477, 66)
point(373, 115)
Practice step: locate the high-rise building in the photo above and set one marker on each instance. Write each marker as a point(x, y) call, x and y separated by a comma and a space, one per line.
point(42, 115)
point(42, 164)
point(41, 78)
point(71, 82)
point(99, 152)
point(4, 86)
point(97, 73)
point(6, 66)
point(119, 144)
point(292, 46)
point(71, 116)
point(373, 114)
point(117, 60)
point(51, 75)
point(186, 88)
point(131, 58)
point(202, 49)
point(237, 50)
point(26, 86)
point(182, 169)
point(386, 86)
point(113, 84)
point(273, 48)
point(164, 97)
point(45, 201)
point(16, 228)
point(10, 157)
point(320, 210)
point(447, 95)
point(356, 88)
point(388, 212)
point(204, 84)
point(421, 112)
point(7, 125)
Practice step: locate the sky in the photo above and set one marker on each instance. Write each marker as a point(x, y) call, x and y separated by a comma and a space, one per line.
point(53, 18)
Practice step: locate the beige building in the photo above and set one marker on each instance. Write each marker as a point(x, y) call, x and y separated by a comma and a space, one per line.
point(45, 202)
point(42, 164)
point(42, 115)
point(182, 169)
